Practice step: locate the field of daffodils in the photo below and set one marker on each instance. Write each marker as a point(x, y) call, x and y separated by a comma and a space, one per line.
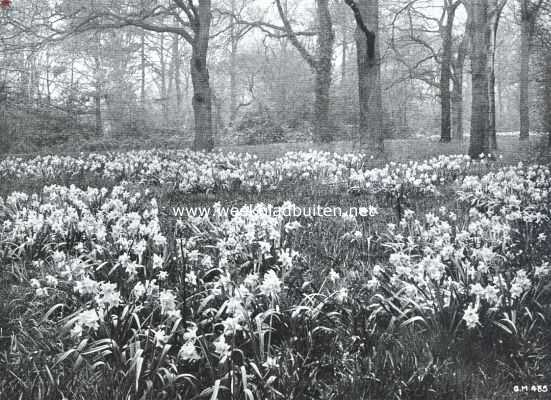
point(441, 290)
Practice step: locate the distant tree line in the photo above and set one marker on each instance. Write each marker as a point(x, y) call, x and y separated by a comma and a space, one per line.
point(219, 68)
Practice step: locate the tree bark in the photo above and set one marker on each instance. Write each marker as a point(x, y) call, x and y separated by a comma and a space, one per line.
point(177, 71)
point(499, 92)
point(202, 101)
point(98, 88)
point(526, 28)
point(323, 70)
point(479, 141)
point(457, 91)
point(163, 80)
point(366, 13)
point(445, 74)
point(142, 68)
point(494, 9)
point(457, 103)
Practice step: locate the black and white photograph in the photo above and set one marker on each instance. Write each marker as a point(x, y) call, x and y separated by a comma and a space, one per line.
point(275, 199)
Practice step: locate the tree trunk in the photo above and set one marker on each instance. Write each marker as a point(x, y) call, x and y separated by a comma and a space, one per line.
point(48, 83)
point(177, 71)
point(97, 95)
point(344, 55)
point(547, 95)
point(321, 65)
point(492, 132)
point(233, 68)
point(217, 122)
point(499, 92)
point(369, 81)
point(457, 104)
point(99, 121)
point(323, 71)
point(233, 83)
point(202, 102)
point(445, 76)
point(457, 91)
point(142, 68)
point(479, 141)
point(495, 10)
point(524, 105)
point(322, 101)
point(164, 95)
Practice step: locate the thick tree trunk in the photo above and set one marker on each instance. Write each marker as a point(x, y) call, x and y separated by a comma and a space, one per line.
point(492, 132)
point(524, 105)
point(445, 101)
point(495, 10)
point(369, 81)
point(457, 91)
point(457, 104)
point(322, 104)
point(499, 105)
point(202, 96)
point(202, 103)
point(445, 76)
point(323, 69)
point(479, 142)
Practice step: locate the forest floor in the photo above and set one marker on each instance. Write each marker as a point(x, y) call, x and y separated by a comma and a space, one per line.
point(396, 150)
point(509, 148)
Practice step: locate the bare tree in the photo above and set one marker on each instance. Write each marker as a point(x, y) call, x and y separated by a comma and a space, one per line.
point(528, 15)
point(445, 25)
point(458, 63)
point(495, 8)
point(237, 33)
point(484, 15)
point(193, 25)
point(442, 57)
point(366, 14)
point(479, 141)
point(321, 64)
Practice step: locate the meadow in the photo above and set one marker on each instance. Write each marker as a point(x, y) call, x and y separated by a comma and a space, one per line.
point(440, 289)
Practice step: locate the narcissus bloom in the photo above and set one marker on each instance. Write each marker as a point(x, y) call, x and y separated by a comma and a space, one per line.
point(471, 316)
point(271, 286)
